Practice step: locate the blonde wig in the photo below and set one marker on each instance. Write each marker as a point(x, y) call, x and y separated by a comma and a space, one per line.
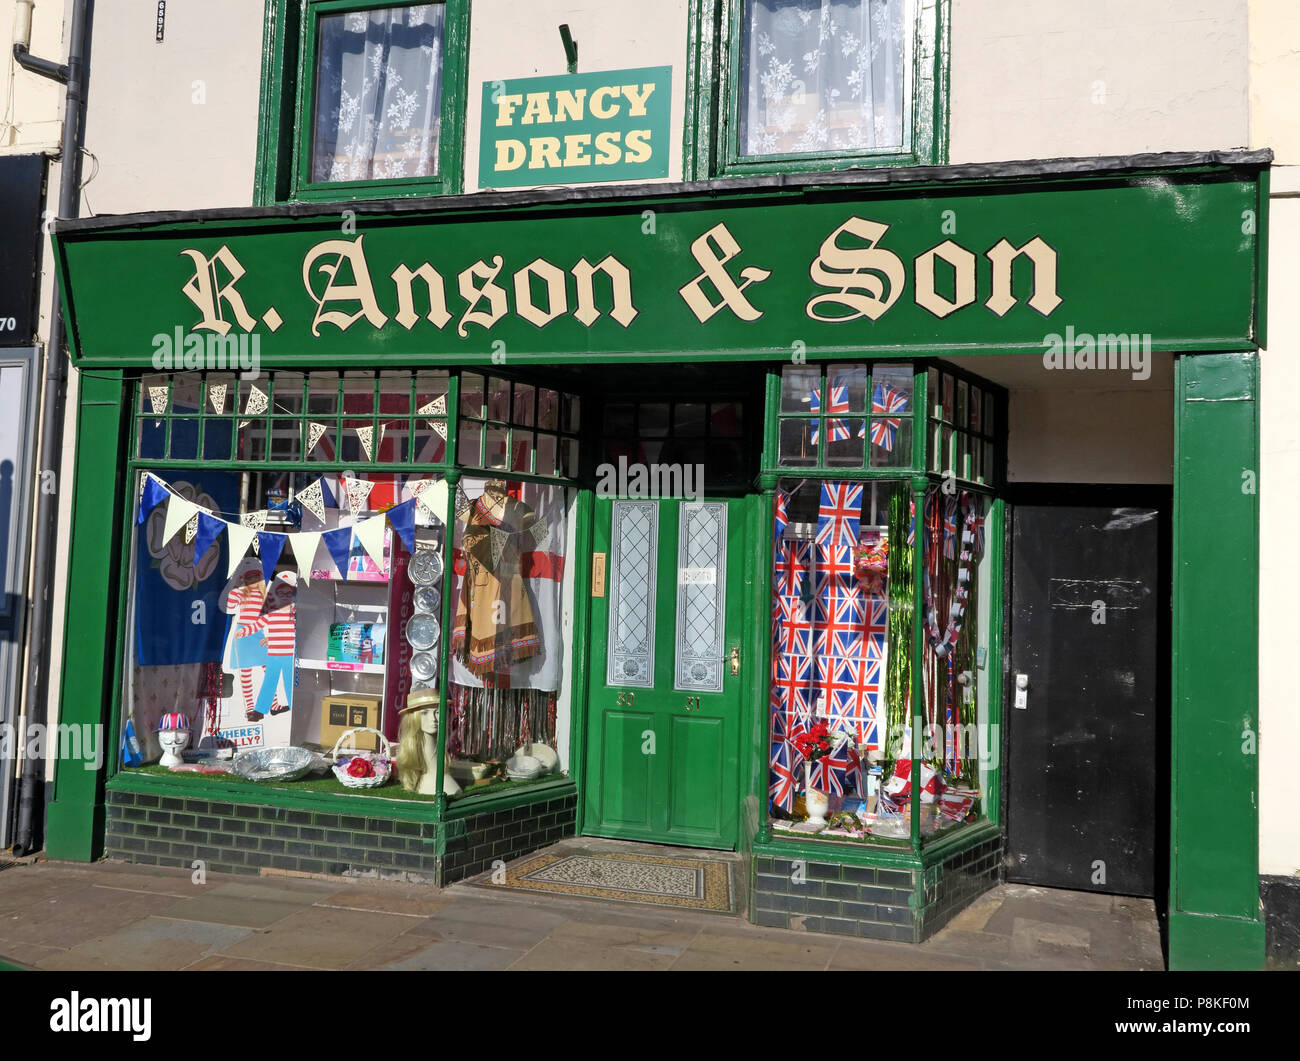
point(411, 763)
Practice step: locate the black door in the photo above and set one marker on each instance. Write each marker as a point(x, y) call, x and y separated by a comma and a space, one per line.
point(1086, 742)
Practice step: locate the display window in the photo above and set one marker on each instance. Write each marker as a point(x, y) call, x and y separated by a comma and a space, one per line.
point(289, 618)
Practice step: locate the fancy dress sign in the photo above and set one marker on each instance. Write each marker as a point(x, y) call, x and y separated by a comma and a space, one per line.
point(759, 274)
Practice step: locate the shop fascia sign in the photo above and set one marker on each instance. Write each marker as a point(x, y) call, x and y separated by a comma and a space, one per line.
point(679, 277)
point(575, 128)
point(859, 279)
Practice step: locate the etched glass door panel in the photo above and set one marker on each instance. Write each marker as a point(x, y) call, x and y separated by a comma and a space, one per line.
point(701, 596)
point(633, 560)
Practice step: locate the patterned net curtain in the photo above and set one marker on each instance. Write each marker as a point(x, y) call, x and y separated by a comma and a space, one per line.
point(822, 75)
point(379, 88)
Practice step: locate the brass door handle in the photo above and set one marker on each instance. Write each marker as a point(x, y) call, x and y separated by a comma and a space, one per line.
point(735, 661)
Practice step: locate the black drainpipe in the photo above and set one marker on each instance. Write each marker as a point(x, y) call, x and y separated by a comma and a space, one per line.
point(54, 398)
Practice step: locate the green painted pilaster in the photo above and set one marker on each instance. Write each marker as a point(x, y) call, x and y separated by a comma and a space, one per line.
point(1214, 919)
point(74, 826)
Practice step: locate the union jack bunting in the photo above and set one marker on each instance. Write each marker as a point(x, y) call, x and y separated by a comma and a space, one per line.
point(781, 504)
point(794, 631)
point(837, 402)
point(840, 515)
point(852, 695)
point(875, 626)
point(950, 527)
point(783, 778)
point(793, 677)
point(885, 400)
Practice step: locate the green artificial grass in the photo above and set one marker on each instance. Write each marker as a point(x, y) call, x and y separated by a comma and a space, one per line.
point(330, 783)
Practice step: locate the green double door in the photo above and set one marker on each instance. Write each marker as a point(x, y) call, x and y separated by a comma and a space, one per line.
point(663, 716)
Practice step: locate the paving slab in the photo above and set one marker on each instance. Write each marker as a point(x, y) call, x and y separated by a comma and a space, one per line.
point(320, 937)
point(566, 955)
point(252, 905)
point(83, 913)
point(452, 955)
point(155, 943)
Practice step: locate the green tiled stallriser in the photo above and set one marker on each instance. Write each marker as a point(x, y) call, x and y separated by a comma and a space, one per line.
point(870, 902)
point(232, 837)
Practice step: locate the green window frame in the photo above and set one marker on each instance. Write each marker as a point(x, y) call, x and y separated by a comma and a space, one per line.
point(288, 95)
point(715, 92)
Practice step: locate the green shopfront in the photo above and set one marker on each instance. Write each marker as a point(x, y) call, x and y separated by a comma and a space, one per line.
point(675, 514)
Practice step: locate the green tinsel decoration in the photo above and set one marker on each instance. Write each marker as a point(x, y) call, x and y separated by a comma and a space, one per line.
point(898, 679)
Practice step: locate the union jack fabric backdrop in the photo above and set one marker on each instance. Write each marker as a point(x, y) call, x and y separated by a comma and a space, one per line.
point(828, 647)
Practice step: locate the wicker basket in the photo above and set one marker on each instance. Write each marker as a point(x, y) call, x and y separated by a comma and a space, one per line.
point(381, 761)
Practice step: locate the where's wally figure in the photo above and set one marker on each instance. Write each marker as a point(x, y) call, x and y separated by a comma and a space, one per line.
point(244, 598)
point(277, 623)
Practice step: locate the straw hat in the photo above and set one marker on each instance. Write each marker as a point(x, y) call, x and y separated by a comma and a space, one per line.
point(419, 700)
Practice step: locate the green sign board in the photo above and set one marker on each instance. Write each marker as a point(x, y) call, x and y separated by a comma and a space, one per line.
point(745, 271)
point(575, 129)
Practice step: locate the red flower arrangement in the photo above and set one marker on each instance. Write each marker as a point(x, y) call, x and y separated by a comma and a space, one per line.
point(360, 767)
point(813, 743)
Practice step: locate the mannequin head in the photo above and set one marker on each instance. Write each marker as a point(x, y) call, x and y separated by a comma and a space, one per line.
point(173, 736)
point(411, 761)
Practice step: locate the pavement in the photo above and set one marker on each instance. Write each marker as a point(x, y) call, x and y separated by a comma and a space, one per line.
point(118, 916)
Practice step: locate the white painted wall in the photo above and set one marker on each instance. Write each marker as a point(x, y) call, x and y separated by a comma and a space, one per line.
point(1274, 91)
point(173, 126)
point(31, 107)
point(512, 40)
point(1088, 426)
point(1056, 78)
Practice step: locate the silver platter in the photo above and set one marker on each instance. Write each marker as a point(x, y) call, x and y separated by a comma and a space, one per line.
point(272, 764)
point(425, 567)
point(422, 632)
point(424, 665)
point(427, 600)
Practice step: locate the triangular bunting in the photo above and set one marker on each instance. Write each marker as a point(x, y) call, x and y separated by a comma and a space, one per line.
point(499, 537)
point(314, 433)
point(179, 513)
point(238, 537)
point(327, 493)
point(269, 548)
point(339, 544)
point(358, 491)
point(255, 519)
point(370, 533)
point(539, 531)
point(311, 498)
point(402, 517)
point(367, 436)
point(209, 530)
point(304, 545)
point(217, 398)
point(154, 493)
point(257, 401)
point(158, 400)
point(437, 407)
point(191, 529)
point(440, 426)
point(462, 502)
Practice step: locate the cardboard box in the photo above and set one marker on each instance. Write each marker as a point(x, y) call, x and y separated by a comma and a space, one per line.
point(338, 714)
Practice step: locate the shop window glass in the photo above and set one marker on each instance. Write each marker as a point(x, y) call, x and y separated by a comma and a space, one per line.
point(962, 441)
point(841, 650)
point(507, 638)
point(378, 105)
point(821, 421)
point(497, 417)
point(684, 434)
point(823, 77)
point(955, 592)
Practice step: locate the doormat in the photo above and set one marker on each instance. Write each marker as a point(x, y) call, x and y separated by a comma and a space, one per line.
point(688, 883)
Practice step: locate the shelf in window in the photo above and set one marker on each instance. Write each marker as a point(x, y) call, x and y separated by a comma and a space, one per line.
point(352, 668)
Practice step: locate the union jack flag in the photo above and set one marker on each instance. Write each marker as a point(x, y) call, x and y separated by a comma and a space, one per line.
point(795, 632)
point(783, 778)
point(830, 773)
point(793, 676)
point(840, 515)
point(885, 400)
point(837, 402)
point(841, 635)
point(875, 626)
point(949, 527)
point(781, 504)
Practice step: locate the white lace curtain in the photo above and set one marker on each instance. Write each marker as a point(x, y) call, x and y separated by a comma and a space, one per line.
point(379, 88)
point(822, 75)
